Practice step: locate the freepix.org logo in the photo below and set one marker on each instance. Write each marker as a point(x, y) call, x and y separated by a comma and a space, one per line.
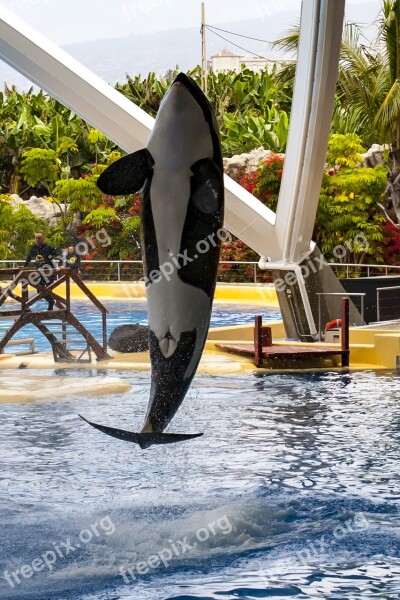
point(59, 551)
point(143, 7)
point(174, 549)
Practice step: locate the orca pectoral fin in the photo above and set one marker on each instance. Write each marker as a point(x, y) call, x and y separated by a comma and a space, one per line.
point(143, 439)
point(207, 186)
point(126, 175)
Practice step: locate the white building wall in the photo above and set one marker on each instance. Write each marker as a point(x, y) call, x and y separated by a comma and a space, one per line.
point(226, 61)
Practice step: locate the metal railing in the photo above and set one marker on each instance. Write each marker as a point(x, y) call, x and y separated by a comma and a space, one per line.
point(350, 270)
point(230, 271)
point(59, 308)
point(132, 270)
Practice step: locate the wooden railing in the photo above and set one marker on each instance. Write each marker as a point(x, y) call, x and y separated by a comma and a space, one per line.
point(24, 315)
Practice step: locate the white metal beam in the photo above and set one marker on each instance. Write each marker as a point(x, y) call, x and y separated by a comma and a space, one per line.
point(310, 123)
point(71, 83)
point(75, 86)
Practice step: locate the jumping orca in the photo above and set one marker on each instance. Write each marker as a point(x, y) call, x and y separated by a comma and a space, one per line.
point(180, 174)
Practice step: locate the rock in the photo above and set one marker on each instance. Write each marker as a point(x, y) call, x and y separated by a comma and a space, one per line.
point(249, 160)
point(43, 209)
point(129, 338)
point(375, 155)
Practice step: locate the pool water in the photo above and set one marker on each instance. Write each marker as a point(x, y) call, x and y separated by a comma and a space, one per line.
point(122, 312)
point(293, 491)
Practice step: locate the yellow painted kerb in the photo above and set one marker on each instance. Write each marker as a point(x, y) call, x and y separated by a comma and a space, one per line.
point(256, 294)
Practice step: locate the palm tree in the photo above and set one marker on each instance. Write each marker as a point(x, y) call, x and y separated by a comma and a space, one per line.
point(367, 101)
point(388, 115)
point(368, 90)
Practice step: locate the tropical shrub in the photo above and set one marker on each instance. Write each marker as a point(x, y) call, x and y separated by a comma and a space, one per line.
point(17, 228)
point(264, 183)
point(348, 212)
point(391, 244)
point(251, 108)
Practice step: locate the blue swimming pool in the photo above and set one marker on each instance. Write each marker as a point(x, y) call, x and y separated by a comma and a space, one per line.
point(122, 312)
point(293, 491)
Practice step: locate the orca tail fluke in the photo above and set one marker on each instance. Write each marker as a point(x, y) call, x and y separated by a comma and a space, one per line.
point(145, 440)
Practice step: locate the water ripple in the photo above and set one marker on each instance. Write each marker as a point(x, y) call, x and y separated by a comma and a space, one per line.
point(304, 466)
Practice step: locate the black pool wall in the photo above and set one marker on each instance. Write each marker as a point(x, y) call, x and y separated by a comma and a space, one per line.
point(389, 300)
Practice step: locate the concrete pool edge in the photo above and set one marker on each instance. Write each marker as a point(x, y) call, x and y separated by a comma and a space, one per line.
point(42, 388)
point(257, 294)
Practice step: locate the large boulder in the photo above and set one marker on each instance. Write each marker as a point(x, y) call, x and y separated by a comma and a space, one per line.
point(129, 338)
point(250, 161)
point(43, 209)
point(375, 155)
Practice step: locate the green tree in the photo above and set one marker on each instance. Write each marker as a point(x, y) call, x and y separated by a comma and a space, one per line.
point(45, 168)
point(388, 115)
point(41, 166)
point(34, 120)
point(20, 129)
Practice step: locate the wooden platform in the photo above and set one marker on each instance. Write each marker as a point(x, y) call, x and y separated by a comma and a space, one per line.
point(262, 350)
point(283, 351)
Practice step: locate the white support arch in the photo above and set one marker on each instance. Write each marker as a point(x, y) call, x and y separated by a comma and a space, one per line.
point(100, 104)
point(109, 111)
point(318, 58)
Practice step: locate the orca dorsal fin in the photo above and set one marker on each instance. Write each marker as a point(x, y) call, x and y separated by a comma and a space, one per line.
point(126, 175)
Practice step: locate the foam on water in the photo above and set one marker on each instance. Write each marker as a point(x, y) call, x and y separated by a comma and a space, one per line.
point(311, 544)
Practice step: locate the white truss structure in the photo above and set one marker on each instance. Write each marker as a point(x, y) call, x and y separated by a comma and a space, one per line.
point(282, 239)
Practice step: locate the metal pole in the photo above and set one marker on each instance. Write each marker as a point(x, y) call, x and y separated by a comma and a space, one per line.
point(64, 334)
point(104, 325)
point(319, 317)
point(203, 50)
point(378, 308)
point(24, 294)
point(345, 332)
point(257, 341)
point(362, 307)
point(68, 293)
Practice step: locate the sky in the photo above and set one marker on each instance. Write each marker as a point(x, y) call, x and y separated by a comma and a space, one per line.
point(74, 21)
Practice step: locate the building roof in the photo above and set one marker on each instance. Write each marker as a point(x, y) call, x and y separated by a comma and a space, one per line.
point(225, 52)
